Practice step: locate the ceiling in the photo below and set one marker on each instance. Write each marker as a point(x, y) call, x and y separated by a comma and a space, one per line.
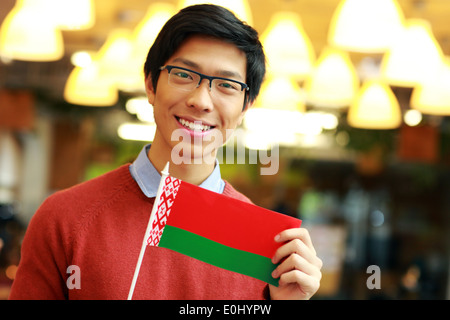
point(110, 14)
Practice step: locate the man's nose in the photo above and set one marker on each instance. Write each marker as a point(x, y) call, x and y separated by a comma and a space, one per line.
point(200, 97)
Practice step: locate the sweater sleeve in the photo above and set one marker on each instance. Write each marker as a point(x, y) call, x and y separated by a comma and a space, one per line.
point(42, 269)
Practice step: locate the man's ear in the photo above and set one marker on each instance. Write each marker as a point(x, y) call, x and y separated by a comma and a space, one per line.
point(149, 89)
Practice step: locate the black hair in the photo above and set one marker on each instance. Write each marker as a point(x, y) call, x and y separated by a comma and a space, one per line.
point(214, 21)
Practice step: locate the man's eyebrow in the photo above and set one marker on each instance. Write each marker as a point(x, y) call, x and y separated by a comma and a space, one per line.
point(188, 63)
point(229, 74)
point(221, 73)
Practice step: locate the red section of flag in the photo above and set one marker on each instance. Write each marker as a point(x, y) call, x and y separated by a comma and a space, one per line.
point(229, 221)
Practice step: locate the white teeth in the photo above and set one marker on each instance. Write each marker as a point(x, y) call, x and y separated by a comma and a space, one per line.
point(196, 126)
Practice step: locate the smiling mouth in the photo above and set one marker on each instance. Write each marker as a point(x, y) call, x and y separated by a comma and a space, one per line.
point(194, 126)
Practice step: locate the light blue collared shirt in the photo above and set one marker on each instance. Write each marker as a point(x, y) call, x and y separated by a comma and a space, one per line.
point(148, 178)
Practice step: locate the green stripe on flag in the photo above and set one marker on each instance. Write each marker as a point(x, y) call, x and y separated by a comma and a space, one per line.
point(217, 254)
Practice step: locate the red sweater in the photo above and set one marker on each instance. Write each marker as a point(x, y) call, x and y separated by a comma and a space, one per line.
point(99, 226)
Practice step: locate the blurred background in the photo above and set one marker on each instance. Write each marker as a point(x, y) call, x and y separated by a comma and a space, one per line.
point(356, 100)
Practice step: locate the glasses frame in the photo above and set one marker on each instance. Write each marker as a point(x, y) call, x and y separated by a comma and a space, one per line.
point(203, 76)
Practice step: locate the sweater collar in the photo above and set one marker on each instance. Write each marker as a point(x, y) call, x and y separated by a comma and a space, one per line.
point(148, 178)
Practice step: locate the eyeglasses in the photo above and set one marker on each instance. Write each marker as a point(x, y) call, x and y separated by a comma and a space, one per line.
point(187, 80)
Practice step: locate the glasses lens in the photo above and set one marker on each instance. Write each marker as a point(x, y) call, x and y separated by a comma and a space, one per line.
point(227, 87)
point(183, 79)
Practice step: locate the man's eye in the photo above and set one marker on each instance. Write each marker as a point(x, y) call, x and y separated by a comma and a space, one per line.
point(228, 85)
point(183, 75)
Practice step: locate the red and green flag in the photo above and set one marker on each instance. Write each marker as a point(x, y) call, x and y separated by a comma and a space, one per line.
point(216, 229)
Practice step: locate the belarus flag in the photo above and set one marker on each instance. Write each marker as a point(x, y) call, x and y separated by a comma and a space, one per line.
point(216, 229)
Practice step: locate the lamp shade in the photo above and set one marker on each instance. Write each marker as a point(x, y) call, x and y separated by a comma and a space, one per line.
point(148, 28)
point(73, 14)
point(116, 48)
point(375, 107)
point(333, 81)
point(433, 95)
point(118, 63)
point(27, 34)
point(276, 115)
point(289, 50)
point(281, 93)
point(86, 86)
point(414, 57)
point(367, 26)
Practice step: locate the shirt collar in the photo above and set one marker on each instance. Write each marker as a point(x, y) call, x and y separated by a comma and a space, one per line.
point(148, 178)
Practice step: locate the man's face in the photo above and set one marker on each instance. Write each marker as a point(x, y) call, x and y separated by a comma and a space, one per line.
point(175, 109)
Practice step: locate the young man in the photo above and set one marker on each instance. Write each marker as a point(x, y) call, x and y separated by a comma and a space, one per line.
point(197, 75)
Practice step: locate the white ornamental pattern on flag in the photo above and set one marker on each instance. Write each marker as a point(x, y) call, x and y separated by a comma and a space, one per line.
point(169, 192)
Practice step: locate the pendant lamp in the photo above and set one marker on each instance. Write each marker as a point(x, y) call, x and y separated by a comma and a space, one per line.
point(85, 86)
point(414, 57)
point(280, 93)
point(28, 34)
point(118, 63)
point(333, 81)
point(375, 107)
point(367, 26)
point(433, 95)
point(276, 115)
point(148, 28)
point(73, 14)
point(288, 49)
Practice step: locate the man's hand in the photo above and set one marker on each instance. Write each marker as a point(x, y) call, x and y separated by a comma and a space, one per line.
point(299, 271)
